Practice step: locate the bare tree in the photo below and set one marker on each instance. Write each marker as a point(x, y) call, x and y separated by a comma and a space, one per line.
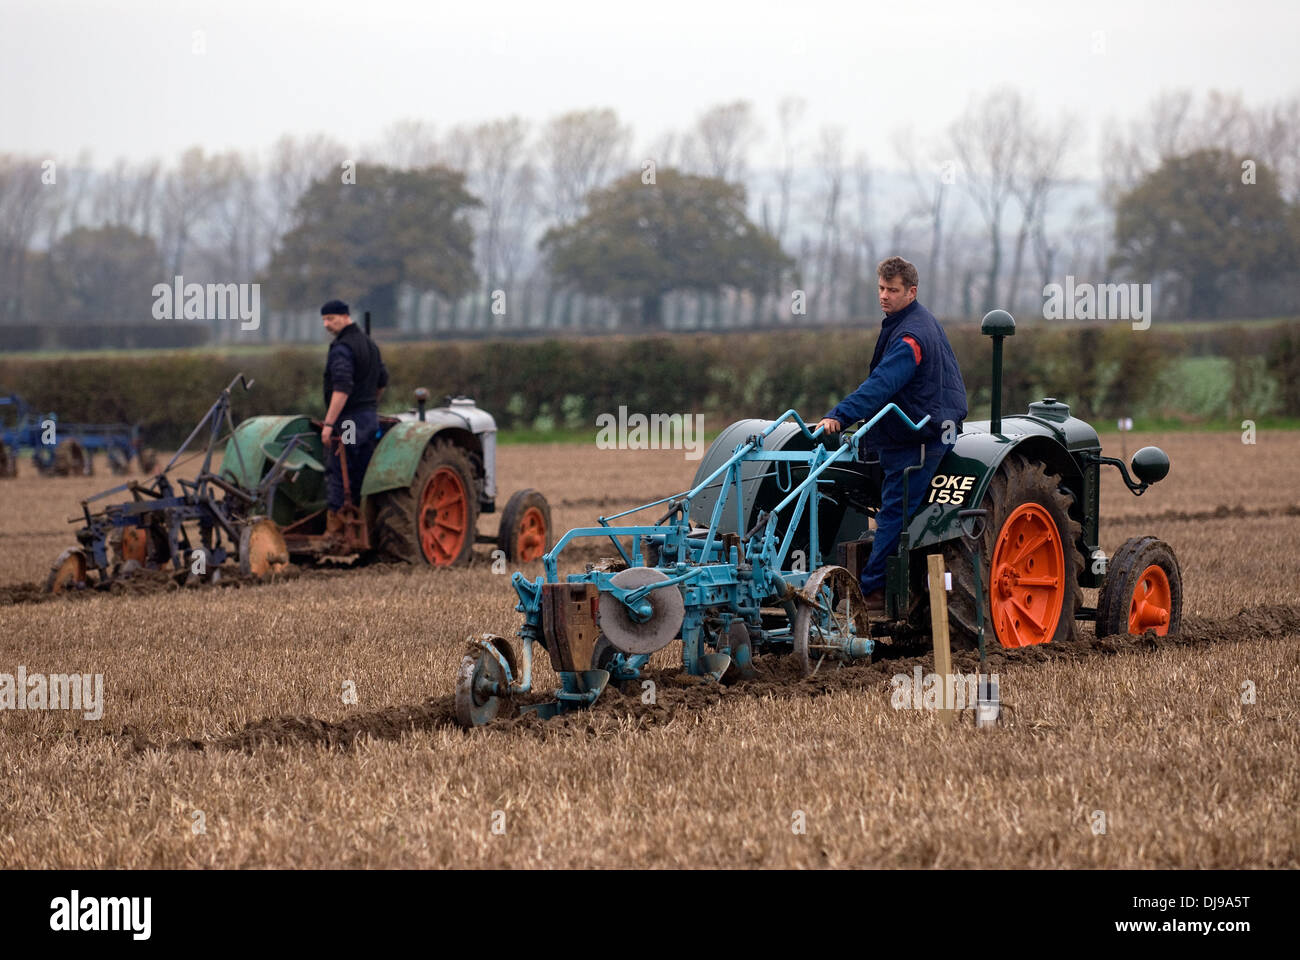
point(408, 145)
point(581, 151)
point(292, 165)
point(830, 162)
point(720, 140)
point(790, 112)
point(987, 140)
point(1173, 124)
point(500, 175)
point(1275, 136)
point(189, 191)
point(929, 181)
point(1038, 165)
point(127, 196)
point(22, 198)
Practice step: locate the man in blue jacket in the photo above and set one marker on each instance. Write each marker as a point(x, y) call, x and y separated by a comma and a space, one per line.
point(914, 367)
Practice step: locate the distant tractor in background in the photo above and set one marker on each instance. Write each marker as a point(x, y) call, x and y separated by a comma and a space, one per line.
point(432, 474)
point(61, 449)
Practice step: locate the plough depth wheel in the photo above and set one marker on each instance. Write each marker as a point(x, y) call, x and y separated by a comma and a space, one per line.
point(831, 621)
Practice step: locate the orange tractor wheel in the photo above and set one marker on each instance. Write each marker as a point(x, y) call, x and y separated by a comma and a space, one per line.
point(1143, 590)
point(525, 531)
point(434, 520)
point(1030, 562)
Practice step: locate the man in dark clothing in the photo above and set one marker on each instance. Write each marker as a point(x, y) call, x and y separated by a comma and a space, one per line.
point(914, 367)
point(355, 378)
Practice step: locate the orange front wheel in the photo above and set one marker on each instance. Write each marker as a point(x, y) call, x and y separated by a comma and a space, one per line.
point(1143, 590)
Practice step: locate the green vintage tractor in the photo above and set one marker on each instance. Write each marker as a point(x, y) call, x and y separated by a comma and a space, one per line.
point(1013, 508)
point(433, 472)
point(762, 554)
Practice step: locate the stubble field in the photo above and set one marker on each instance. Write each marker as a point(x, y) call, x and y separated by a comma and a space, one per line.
point(225, 741)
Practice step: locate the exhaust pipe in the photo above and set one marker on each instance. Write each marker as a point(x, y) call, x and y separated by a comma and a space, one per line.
point(997, 324)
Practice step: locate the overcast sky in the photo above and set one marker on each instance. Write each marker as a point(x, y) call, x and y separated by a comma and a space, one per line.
point(121, 78)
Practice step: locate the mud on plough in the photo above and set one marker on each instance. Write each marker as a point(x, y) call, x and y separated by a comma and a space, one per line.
point(728, 596)
point(155, 529)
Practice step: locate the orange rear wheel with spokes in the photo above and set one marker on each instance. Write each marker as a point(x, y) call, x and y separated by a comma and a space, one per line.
point(434, 519)
point(1030, 561)
point(1028, 585)
point(444, 517)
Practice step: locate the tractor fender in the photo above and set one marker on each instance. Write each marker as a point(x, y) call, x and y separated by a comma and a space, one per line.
point(965, 472)
point(244, 460)
point(398, 454)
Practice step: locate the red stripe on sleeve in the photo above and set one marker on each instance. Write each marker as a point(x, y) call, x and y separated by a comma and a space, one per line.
point(916, 349)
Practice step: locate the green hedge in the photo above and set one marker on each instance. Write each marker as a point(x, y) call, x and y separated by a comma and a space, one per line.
point(1102, 372)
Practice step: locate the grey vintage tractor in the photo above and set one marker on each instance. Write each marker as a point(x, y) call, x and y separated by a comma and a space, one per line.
point(433, 472)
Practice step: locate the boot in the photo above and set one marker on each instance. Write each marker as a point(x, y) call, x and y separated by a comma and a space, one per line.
point(333, 526)
point(875, 602)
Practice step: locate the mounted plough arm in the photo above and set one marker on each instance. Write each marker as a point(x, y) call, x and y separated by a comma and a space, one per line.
point(149, 530)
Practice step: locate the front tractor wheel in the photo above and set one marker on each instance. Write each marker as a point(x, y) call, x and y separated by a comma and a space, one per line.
point(433, 520)
point(525, 532)
point(1030, 562)
point(1142, 590)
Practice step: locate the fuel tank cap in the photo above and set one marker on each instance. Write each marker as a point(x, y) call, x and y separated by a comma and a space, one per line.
point(1049, 408)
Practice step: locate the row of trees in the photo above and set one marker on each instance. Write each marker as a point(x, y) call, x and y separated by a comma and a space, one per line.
point(992, 209)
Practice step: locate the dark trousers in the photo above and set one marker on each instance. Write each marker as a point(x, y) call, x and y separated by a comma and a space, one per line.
point(890, 517)
point(365, 424)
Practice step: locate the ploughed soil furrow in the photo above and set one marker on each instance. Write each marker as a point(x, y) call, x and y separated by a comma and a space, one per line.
point(1221, 512)
point(677, 694)
point(146, 582)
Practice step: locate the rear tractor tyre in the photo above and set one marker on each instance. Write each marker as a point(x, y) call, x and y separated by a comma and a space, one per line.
point(1142, 590)
point(434, 520)
point(525, 531)
point(1030, 562)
